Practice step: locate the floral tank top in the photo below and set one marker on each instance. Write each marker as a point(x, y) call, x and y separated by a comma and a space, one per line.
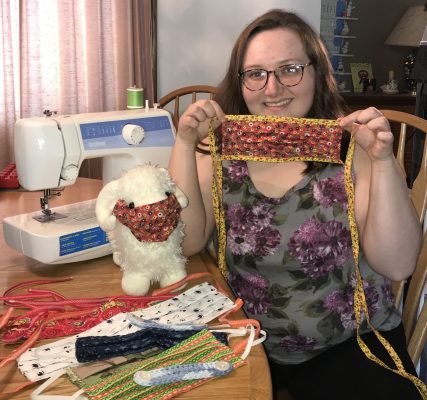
point(290, 260)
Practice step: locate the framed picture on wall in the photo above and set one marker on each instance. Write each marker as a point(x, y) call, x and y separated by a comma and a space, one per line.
point(359, 73)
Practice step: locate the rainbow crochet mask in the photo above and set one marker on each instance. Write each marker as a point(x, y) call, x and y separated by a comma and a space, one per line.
point(151, 222)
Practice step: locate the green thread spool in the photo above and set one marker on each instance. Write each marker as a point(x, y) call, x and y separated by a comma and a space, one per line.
point(135, 97)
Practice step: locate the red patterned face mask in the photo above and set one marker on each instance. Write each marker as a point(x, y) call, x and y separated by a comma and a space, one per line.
point(267, 139)
point(281, 139)
point(62, 317)
point(151, 222)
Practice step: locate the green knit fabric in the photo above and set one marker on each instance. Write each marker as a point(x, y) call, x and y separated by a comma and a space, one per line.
point(117, 383)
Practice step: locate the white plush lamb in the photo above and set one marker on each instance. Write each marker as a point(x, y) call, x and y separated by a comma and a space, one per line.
point(140, 212)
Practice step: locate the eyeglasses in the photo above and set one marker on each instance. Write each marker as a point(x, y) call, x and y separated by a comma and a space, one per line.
point(287, 75)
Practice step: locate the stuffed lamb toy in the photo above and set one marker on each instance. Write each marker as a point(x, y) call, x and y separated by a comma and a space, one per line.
point(140, 212)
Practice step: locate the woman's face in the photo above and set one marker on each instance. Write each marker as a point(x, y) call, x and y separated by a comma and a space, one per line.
point(269, 50)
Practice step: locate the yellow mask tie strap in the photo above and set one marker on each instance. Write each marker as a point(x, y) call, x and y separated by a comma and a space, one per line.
point(244, 150)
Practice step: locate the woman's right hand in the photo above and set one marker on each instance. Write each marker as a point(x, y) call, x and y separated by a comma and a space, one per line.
point(194, 123)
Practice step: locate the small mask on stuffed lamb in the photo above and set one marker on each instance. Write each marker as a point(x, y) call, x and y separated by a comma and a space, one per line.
point(150, 222)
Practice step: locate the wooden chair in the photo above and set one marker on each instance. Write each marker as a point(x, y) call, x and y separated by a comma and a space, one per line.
point(414, 325)
point(418, 338)
point(181, 97)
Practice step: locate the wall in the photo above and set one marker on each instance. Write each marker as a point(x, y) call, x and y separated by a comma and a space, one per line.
point(195, 37)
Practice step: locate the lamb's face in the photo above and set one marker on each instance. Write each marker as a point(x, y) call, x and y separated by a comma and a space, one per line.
point(145, 184)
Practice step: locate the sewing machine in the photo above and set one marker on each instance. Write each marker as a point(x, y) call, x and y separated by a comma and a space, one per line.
point(49, 152)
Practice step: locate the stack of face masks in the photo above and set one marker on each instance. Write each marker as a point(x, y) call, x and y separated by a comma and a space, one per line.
point(198, 305)
point(53, 315)
point(199, 351)
point(125, 357)
point(151, 335)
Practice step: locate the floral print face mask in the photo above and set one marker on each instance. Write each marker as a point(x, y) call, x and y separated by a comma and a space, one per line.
point(283, 139)
point(273, 139)
point(268, 139)
point(151, 222)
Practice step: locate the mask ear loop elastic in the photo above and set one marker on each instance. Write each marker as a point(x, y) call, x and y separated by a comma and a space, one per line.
point(239, 323)
point(41, 310)
point(5, 317)
point(188, 278)
point(253, 339)
point(17, 389)
point(36, 282)
point(251, 342)
point(177, 285)
point(36, 334)
point(36, 394)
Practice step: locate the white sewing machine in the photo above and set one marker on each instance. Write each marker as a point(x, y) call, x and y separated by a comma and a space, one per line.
point(49, 152)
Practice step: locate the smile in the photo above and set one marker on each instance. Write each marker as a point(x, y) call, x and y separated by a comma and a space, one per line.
point(277, 103)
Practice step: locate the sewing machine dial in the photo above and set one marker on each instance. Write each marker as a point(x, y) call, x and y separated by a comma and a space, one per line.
point(70, 172)
point(133, 134)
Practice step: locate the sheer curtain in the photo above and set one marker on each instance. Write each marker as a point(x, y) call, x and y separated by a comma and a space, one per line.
point(9, 77)
point(70, 56)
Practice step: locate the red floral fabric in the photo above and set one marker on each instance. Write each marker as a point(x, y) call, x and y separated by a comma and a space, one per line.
point(21, 327)
point(151, 222)
point(281, 138)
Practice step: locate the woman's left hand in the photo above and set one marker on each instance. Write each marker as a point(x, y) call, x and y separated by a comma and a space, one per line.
point(372, 132)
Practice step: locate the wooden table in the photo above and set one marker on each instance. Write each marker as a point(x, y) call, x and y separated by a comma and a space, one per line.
point(101, 277)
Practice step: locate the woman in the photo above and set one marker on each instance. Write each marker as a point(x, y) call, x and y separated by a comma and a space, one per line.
point(288, 239)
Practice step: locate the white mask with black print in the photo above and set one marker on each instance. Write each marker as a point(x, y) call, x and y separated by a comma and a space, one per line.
point(198, 305)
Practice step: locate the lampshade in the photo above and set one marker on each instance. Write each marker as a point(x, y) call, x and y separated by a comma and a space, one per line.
point(410, 28)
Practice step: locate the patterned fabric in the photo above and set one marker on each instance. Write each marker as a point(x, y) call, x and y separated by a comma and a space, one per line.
point(91, 371)
point(21, 327)
point(290, 260)
point(182, 372)
point(199, 305)
point(280, 138)
point(118, 383)
point(93, 348)
point(151, 222)
point(292, 338)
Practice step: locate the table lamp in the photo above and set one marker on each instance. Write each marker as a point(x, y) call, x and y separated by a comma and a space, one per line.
point(409, 32)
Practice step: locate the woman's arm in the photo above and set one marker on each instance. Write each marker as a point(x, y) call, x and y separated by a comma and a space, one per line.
point(192, 172)
point(390, 233)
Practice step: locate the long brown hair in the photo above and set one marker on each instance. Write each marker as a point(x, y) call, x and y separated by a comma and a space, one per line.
point(327, 101)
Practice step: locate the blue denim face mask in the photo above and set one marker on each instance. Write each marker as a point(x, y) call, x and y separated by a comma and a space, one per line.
point(151, 336)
